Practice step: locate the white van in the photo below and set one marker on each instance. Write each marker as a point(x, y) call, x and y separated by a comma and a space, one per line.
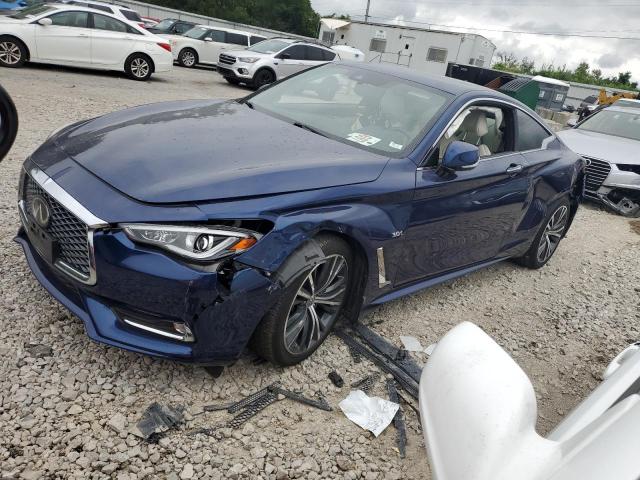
point(203, 44)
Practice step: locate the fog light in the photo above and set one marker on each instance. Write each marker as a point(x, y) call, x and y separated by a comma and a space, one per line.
point(174, 330)
point(243, 71)
point(182, 328)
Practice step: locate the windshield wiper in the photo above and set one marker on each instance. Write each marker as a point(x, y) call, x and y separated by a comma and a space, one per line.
point(309, 129)
point(248, 104)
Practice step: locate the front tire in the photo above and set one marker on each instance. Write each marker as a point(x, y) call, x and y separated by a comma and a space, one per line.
point(548, 238)
point(308, 308)
point(188, 58)
point(138, 67)
point(263, 77)
point(13, 53)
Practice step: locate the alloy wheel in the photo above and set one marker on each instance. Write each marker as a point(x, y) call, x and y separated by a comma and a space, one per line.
point(10, 53)
point(188, 59)
point(553, 233)
point(140, 67)
point(316, 305)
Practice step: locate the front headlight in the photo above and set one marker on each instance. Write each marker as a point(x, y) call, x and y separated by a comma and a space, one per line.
point(201, 243)
point(248, 59)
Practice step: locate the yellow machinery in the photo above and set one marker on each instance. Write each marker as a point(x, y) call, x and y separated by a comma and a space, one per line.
point(604, 99)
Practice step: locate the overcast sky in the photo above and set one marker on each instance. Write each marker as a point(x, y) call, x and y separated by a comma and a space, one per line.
point(617, 18)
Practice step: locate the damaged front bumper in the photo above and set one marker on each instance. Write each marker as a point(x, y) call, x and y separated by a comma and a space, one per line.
point(616, 186)
point(147, 302)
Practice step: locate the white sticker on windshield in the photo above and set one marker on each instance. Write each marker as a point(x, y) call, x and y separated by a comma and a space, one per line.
point(363, 139)
point(396, 145)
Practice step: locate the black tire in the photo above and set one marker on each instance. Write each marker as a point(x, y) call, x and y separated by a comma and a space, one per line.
point(534, 258)
point(138, 67)
point(188, 58)
point(8, 123)
point(232, 81)
point(13, 53)
point(268, 340)
point(263, 77)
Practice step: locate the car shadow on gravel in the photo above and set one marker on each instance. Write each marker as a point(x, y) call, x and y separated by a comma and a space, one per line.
point(90, 72)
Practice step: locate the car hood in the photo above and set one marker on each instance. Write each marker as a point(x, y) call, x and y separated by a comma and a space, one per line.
point(7, 19)
point(605, 147)
point(179, 152)
point(247, 53)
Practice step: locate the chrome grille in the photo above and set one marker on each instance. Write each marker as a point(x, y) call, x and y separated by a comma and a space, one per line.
point(597, 171)
point(66, 229)
point(227, 59)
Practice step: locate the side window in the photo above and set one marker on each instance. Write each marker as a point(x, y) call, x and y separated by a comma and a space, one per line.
point(485, 126)
point(101, 22)
point(253, 40)
point(530, 134)
point(296, 52)
point(217, 36)
point(70, 19)
point(314, 54)
point(182, 27)
point(435, 54)
point(237, 39)
point(378, 45)
point(328, 56)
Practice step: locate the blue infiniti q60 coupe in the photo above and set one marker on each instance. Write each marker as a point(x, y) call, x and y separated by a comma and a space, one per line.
point(190, 230)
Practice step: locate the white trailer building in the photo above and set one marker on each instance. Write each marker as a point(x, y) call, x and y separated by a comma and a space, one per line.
point(421, 49)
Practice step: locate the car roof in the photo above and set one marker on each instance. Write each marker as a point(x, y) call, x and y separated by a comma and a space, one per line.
point(446, 84)
point(224, 29)
point(629, 109)
point(105, 4)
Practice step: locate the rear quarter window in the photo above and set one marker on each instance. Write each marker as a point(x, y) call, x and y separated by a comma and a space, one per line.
point(237, 39)
point(131, 15)
point(530, 134)
point(255, 39)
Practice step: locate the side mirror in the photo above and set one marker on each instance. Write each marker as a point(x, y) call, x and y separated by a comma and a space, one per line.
point(45, 22)
point(208, 39)
point(461, 156)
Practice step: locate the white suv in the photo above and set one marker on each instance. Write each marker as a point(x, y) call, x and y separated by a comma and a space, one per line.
point(203, 44)
point(272, 60)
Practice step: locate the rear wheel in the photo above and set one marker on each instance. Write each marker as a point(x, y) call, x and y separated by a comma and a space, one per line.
point(263, 77)
point(139, 67)
point(13, 53)
point(307, 310)
point(188, 58)
point(548, 238)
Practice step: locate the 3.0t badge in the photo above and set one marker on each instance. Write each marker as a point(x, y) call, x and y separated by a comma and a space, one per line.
point(40, 211)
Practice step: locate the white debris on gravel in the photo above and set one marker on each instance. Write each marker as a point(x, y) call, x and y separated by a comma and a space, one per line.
point(562, 323)
point(411, 344)
point(371, 413)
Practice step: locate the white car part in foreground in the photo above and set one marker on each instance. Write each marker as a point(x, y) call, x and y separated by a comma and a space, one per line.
point(479, 415)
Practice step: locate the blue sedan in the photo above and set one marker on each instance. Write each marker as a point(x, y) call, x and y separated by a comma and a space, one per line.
point(191, 230)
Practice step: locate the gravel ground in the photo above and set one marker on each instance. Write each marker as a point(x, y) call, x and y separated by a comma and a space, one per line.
point(66, 409)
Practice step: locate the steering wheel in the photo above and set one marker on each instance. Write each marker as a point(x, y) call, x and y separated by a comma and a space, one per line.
point(8, 122)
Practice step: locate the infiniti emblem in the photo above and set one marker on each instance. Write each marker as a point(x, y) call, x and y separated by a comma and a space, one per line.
point(40, 211)
point(587, 162)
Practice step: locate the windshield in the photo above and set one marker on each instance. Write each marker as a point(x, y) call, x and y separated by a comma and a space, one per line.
point(369, 110)
point(611, 122)
point(32, 11)
point(165, 24)
point(269, 46)
point(196, 32)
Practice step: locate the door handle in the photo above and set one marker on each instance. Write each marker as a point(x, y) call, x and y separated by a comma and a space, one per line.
point(515, 168)
point(83, 34)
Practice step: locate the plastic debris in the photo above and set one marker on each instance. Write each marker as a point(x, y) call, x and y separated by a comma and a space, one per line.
point(157, 419)
point(429, 350)
point(371, 413)
point(336, 379)
point(366, 384)
point(411, 344)
point(321, 403)
point(398, 419)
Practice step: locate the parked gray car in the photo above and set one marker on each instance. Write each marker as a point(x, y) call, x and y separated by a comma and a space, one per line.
point(609, 140)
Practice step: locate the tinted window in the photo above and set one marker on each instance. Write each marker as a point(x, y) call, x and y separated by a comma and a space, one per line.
point(530, 133)
point(314, 54)
point(237, 39)
point(328, 56)
point(107, 23)
point(296, 52)
point(131, 15)
point(269, 46)
point(217, 35)
point(182, 27)
point(253, 40)
point(70, 19)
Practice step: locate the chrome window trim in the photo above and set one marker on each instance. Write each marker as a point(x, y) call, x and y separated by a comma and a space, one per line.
point(492, 100)
point(67, 201)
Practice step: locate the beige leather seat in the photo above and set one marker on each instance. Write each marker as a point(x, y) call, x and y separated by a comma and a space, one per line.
point(472, 129)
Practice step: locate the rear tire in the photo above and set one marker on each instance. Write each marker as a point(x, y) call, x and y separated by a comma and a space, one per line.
point(13, 53)
point(188, 58)
point(138, 67)
point(263, 77)
point(306, 311)
point(546, 241)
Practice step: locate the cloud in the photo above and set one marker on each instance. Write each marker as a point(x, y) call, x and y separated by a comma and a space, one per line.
point(610, 60)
